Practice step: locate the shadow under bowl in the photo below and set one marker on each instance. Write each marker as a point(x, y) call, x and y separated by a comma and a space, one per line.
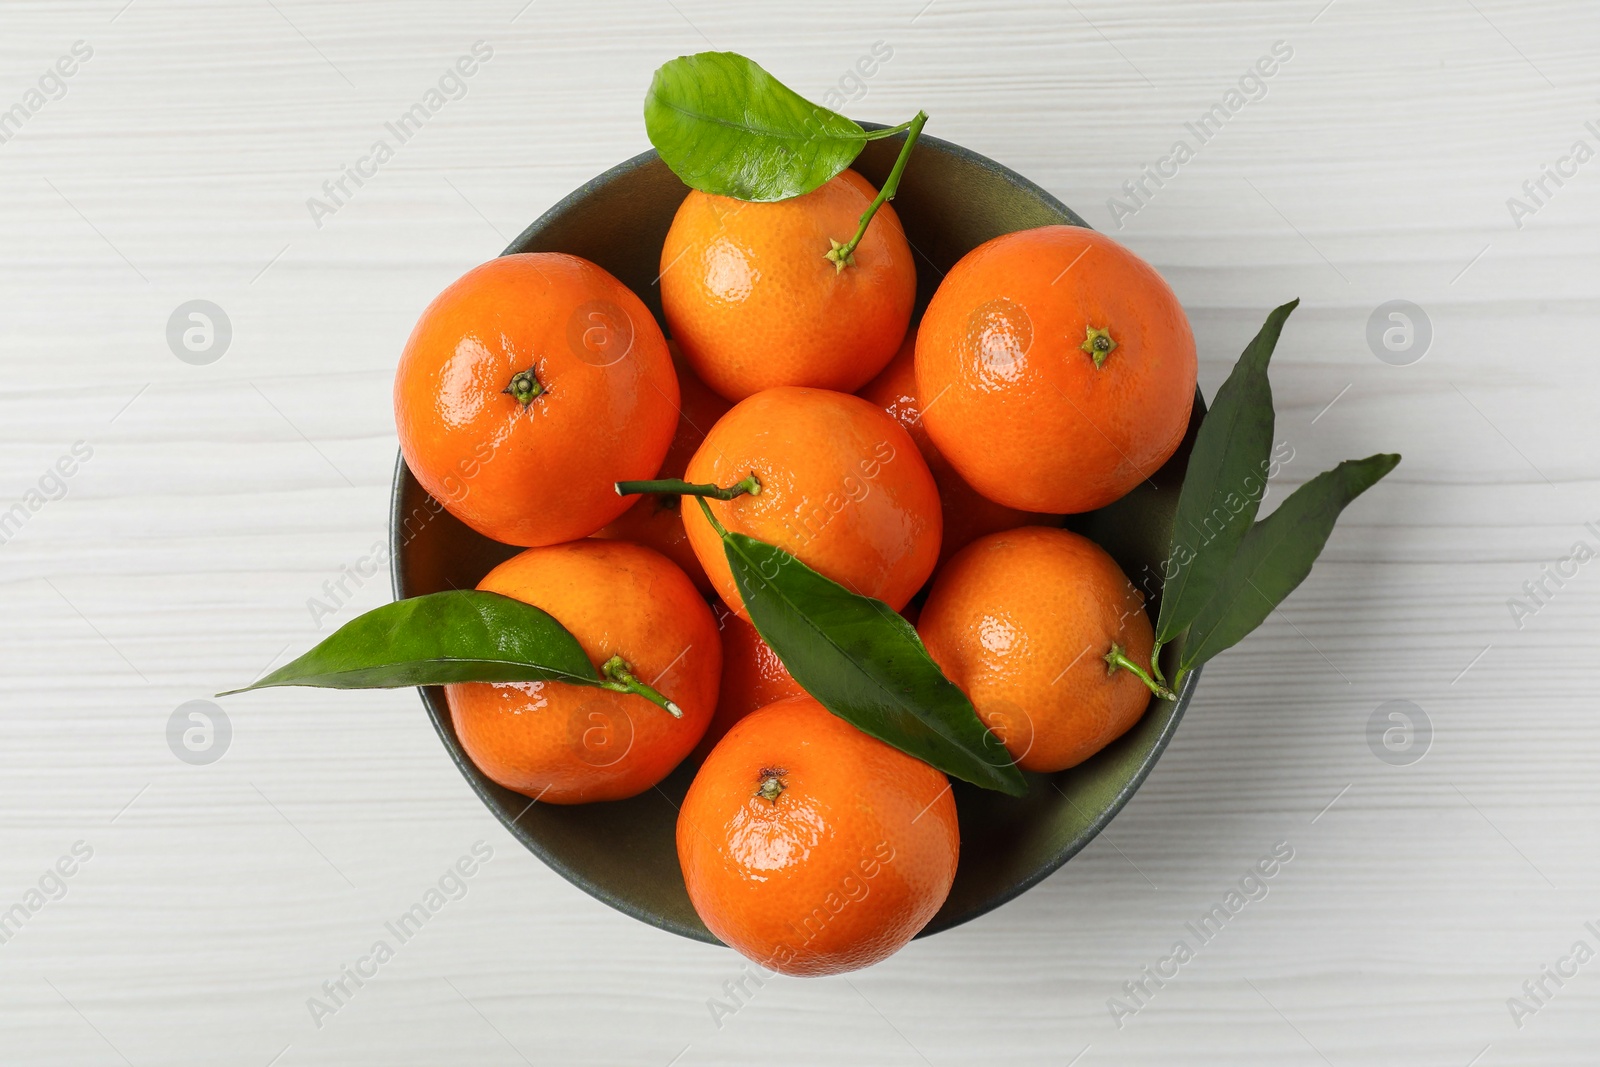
point(623, 852)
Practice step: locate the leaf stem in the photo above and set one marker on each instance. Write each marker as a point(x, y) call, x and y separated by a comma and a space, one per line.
point(679, 487)
point(878, 135)
point(619, 679)
point(840, 255)
point(722, 531)
point(1155, 664)
point(1118, 658)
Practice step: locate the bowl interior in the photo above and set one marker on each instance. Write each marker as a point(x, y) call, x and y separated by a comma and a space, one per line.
point(950, 201)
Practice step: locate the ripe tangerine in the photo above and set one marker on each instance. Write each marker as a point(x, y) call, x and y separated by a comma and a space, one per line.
point(813, 848)
point(842, 487)
point(528, 388)
point(568, 744)
point(1023, 621)
point(750, 294)
point(1064, 367)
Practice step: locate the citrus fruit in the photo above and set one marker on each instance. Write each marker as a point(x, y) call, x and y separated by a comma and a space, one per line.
point(1023, 621)
point(1064, 369)
point(967, 513)
point(569, 744)
point(842, 487)
point(752, 677)
point(749, 293)
point(657, 521)
point(528, 387)
point(812, 848)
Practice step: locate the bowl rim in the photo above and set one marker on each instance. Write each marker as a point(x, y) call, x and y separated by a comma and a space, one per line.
point(439, 713)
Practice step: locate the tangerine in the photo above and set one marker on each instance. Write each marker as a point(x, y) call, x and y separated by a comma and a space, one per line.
point(841, 486)
point(1027, 623)
point(750, 294)
point(569, 744)
point(528, 387)
point(1064, 367)
point(813, 848)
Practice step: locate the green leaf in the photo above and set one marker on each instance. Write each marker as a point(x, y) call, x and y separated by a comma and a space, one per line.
point(727, 127)
point(1276, 555)
point(865, 663)
point(460, 636)
point(1224, 483)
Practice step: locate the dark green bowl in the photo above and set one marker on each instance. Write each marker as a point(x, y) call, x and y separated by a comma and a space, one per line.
point(950, 201)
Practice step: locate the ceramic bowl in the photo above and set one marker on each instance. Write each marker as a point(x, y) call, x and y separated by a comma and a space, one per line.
point(950, 201)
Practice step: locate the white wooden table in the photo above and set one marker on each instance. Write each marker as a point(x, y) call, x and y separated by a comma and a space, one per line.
point(178, 558)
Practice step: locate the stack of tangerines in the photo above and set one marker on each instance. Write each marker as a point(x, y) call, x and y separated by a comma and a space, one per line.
point(925, 466)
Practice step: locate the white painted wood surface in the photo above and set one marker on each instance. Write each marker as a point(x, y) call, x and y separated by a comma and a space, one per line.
point(219, 498)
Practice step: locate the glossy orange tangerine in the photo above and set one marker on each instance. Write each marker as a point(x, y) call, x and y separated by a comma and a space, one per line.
point(812, 848)
point(527, 389)
point(1022, 621)
point(571, 744)
point(843, 488)
point(1064, 369)
point(750, 294)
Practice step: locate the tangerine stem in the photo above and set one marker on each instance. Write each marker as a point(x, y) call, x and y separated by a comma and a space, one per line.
point(620, 679)
point(1118, 658)
point(1098, 343)
point(523, 387)
point(679, 487)
point(840, 255)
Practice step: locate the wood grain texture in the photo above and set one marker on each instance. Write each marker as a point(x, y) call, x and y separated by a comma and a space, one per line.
point(218, 499)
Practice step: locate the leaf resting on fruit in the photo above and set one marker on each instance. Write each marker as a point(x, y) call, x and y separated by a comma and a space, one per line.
point(727, 127)
point(865, 663)
point(458, 636)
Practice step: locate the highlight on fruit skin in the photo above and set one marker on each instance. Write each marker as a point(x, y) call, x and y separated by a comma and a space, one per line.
point(812, 848)
point(568, 744)
point(512, 391)
point(1064, 368)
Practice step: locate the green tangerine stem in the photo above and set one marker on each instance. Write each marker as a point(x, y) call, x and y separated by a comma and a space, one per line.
point(620, 679)
point(771, 784)
point(679, 487)
point(1118, 658)
point(1155, 664)
point(840, 255)
point(1099, 344)
point(523, 387)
